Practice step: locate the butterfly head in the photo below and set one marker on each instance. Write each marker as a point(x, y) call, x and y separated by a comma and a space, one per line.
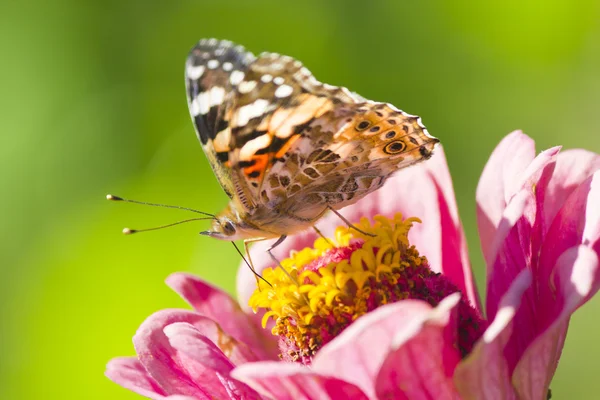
point(231, 225)
point(222, 228)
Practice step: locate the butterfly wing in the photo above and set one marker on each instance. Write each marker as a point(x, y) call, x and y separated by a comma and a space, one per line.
point(247, 111)
point(213, 70)
point(374, 141)
point(279, 139)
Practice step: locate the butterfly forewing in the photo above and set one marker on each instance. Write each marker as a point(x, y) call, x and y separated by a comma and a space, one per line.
point(213, 70)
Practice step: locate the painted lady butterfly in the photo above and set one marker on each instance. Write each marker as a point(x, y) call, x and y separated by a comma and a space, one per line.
point(287, 148)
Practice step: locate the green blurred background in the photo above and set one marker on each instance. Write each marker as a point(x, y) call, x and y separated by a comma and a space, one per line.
point(93, 102)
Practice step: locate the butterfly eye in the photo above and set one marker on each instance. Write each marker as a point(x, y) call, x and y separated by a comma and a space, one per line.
point(394, 147)
point(228, 228)
point(363, 125)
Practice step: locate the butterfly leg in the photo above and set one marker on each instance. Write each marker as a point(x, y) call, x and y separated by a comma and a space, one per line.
point(249, 263)
point(349, 223)
point(323, 236)
point(276, 261)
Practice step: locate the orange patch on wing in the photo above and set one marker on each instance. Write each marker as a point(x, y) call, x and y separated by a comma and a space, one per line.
point(260, 164)
point(284, 149)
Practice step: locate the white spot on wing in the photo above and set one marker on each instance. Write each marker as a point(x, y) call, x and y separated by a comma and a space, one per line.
point(284, 91)
point(222, 140)
point(266, 78)
point(227, 66)
point(195, 106)
point(200, 104)
point(236, 77)
point(278, 80)
point(205, 100)
point(194, 72)
point(250, 148)
point(212, 64)
point(217, 94)
point(247, 87)
point(252, 110)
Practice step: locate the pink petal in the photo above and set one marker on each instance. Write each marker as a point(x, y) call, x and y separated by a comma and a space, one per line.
point(423, 357)
point(434, 203)
point(578, 221)
point(506, 254)
point(220, 307)
point(499, 181)
point(288, 381)
point(208, 360)
point(129, 373)
point(572, 168)
point(165, 364)
point(352, 356)
point(577, 278)
point(514, 256)
point(485, 374)
point(521, 246)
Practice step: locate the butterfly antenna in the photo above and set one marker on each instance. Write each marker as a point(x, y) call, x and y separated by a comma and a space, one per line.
point(250, 266)
point(127, 231)
point(117, 198)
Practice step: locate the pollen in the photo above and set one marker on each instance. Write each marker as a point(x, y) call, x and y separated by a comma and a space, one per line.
point(340, 279)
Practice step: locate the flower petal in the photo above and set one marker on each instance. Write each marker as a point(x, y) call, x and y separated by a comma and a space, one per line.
point(485, 374)
point(220, 307)
point(352, 356)
point(129, 373)
point(288, 381)
point(164, 363)
point(576, 279)
point(510, 253)
point(423, 357)
point(506, 256)
point(578, 221)
point(210, 364)
point(499, 181)
point(434, 203)
point(572, 168)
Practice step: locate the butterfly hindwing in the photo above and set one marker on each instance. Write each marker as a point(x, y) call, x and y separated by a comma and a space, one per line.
point(368, 143)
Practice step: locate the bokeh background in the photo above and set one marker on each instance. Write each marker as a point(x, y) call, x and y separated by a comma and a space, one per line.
point(93, 102)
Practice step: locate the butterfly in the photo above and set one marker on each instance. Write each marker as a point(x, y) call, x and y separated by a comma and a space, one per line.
point(287, 148)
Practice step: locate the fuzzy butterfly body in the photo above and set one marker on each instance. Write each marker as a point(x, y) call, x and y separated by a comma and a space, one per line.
point(286, 147)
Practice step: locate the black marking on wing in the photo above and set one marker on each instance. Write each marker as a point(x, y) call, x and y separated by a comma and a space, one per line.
point(210, 66)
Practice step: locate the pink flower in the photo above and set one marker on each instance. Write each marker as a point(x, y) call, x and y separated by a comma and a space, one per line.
point(539, 224)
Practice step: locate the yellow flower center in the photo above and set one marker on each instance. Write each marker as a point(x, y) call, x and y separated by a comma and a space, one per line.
point(340, 280)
